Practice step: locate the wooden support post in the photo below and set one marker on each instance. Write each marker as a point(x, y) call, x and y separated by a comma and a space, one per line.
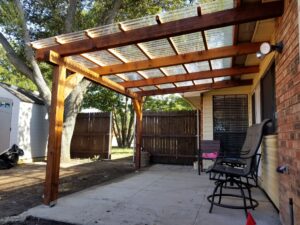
point(55, 135)
point(138, 107)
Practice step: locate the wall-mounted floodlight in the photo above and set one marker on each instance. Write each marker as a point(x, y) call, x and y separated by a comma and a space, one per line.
point(266, 48)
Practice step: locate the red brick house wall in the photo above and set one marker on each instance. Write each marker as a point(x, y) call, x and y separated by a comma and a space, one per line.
point(288, 108)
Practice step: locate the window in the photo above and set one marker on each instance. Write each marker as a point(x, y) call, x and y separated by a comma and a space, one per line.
point(268, 103)
point(230, 118)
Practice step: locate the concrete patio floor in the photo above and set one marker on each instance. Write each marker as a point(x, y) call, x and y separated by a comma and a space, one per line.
point(159, 195)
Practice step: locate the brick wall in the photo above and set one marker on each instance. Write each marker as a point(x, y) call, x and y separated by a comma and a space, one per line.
point(288, 107)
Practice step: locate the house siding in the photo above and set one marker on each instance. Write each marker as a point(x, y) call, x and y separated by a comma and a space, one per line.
point(288, 108)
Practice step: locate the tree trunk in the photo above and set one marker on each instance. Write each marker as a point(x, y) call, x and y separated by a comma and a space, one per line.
point(72, 107)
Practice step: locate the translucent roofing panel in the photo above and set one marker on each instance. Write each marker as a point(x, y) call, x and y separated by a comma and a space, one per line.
point(203, 81)
point(157, 48)
point(184, 83)
point(209, 7)
point(134, 89)
point(216, 5)
point(71, 37)
point(164, 86)
point(188, 43)
point(81, 60)
point(217, 79)
point(129, 53)
point(139, 22)
point(44, 43)
point(103, 30)
point(130, 76)
point(197, 67)
point(173, 70)
point(149, 88)
point(103, 58)
point(178, 14)
point(151, 73)
point(221, 63)
point(219, 37)
point(114, 78)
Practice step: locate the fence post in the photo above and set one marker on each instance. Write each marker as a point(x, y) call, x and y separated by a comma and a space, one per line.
point(138, 107)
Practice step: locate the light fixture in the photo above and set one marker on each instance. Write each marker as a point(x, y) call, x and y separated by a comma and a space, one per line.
point(265, 48)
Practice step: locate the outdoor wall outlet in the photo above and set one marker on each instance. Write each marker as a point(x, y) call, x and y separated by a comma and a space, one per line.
point(283, 169)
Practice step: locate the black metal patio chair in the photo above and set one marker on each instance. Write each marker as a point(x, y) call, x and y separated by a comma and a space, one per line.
point(237, 170)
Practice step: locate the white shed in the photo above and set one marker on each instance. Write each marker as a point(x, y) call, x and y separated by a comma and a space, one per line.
point(24, 121)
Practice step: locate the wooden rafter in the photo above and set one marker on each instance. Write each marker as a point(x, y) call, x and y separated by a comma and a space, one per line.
point(243, 14)
point(228, 51)
point(89, 74)
point(192, 76)
point(200, 87)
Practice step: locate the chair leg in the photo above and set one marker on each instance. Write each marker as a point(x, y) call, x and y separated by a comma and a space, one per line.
point(250, 197)
point(199, 169)
point(244, 197)
point(221, 188)
point(213, 196)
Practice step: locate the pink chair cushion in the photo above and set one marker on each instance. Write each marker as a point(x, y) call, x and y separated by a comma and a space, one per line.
point(211, 155)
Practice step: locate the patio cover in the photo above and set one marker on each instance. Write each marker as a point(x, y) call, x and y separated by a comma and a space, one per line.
point(191, 49)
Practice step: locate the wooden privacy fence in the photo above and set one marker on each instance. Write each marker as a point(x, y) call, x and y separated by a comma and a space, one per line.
point(170, 137)
point(92, 135)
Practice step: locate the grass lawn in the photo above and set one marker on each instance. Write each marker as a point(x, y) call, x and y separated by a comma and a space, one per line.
point(118, 153)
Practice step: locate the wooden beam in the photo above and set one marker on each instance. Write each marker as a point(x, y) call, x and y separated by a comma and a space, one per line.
point(71, 82)
point(89, 74)
point(55, 136)
point(228, 51)
point(200, 87)
point(192, 76)
point(246, 13)
point(138, 107)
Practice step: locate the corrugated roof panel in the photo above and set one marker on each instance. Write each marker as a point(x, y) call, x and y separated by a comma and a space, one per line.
point(221, 63)
point(217, 79)
point(148, 88)
point(164, 86)
point(151, 73)
point(184, 83)
point(188, 43)
point(197, 67)
point(129, 53)
point(134, 89)
point(219, 37)
point(130, 76)
point(114, 78)
point(158, 48)
point(103, 58)
point(173, 70)
point(81, 60)
point(203, 81)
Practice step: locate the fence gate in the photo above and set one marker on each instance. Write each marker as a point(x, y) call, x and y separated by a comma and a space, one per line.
point(92, 135)
point(170, 137)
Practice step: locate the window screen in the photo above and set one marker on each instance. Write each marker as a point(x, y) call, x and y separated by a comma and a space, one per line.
point(230, 117)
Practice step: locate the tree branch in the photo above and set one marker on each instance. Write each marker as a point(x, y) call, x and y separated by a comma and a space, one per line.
point(37, 74)
point(15, 59)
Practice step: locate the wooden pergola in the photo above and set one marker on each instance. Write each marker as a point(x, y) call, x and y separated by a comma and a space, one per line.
point(187, 50)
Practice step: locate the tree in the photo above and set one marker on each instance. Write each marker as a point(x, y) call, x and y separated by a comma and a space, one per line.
point(22, 22)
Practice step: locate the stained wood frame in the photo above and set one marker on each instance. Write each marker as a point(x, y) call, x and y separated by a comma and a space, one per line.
point(62, 85)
